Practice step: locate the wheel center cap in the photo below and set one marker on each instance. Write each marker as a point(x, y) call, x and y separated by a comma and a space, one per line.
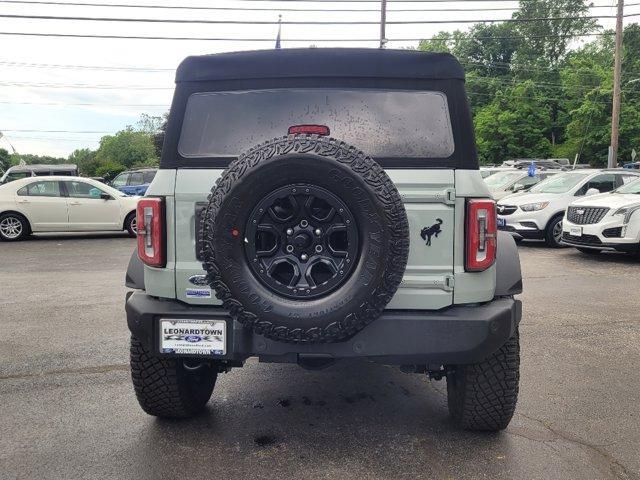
point(302, 240)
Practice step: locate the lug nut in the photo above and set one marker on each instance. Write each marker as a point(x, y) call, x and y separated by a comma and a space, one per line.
point(318, 232)
point(304, 224)
point(289, 248)
point(289, 231)
point(318, 248)
point(304, 257)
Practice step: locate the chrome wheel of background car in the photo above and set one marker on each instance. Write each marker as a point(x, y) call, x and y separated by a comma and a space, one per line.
point(301, 241)
point(11, 227)
point(557, 231)
point(134, 224)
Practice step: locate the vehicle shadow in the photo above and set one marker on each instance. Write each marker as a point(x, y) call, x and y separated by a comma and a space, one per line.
point(605, 257)
point(354, 420)
point(43, 237)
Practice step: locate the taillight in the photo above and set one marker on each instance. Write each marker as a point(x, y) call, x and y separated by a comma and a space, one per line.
point(481, 233)
point(150, 226)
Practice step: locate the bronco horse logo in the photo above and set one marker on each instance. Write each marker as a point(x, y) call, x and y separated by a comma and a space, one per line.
point(427, 232)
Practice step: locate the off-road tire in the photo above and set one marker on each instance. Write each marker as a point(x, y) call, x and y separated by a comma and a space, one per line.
point(164, 388)
point(129, 223)
point(549, 238)
point(341, 169)
point(25, 227)
point(482, 396)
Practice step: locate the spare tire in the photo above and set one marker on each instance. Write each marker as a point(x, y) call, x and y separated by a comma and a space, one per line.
point(305, 239)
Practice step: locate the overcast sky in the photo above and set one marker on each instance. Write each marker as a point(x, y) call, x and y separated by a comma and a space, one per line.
point(39, 92)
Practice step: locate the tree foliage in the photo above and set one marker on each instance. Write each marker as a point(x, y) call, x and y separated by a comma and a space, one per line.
point(5, 159)
point(127, 148)
point(537, 89)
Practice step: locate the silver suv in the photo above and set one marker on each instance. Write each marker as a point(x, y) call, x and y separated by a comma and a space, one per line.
point(319, 205)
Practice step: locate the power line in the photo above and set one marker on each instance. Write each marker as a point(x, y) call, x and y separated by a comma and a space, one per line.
point(83, 85)
point(538, 97)
point(302, 22)
point(208, 39)
point(228, 39)
point(55, 131)
point(109, 104)
point(271, 9)
point(84, 67)
point(58, 139)
point(377, 1)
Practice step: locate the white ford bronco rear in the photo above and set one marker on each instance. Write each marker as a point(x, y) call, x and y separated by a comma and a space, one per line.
point(319, 205)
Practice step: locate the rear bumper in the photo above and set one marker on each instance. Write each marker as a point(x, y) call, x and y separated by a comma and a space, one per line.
point(461, 334)
point(523, 233)
point(594, 243)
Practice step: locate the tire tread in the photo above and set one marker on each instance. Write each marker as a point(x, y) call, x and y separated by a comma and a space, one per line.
point(395, 217)
point(483, 396)
point(159, 387)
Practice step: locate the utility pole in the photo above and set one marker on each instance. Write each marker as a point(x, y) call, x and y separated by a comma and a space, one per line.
point(617, 69)
point(383, 23)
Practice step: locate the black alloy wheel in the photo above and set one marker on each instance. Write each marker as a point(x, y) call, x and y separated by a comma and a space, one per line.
point(301, 241)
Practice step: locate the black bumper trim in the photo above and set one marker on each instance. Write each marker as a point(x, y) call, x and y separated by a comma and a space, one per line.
point(611, 247)
point(456, 335)
point(527, 234)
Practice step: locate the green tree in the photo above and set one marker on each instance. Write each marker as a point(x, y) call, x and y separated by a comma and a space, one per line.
point(158, 137)
point(109, 170)
point(544, 46)
point(30, 159)
point(587, 87)
point(127, 148)
point(513, 125)
point(149, 124)
point(485, 52)
point(4, 159)
point(85, 158)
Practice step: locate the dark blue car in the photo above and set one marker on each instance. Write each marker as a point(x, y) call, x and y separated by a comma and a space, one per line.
point(134, 182)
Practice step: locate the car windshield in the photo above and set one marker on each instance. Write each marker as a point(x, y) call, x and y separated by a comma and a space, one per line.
point(633, 187)
point(560, 183)
point(499, 180)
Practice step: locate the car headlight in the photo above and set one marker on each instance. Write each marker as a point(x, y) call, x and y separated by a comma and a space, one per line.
point(627, 212)
point(533, 207)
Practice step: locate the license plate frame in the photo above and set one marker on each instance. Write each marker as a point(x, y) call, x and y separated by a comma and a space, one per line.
point(575, 231)
point(193, 337)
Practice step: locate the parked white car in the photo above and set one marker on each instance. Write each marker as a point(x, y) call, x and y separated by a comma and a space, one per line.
point(538, 213)
point(506, 182)
point(63, 204)
point(610, 221)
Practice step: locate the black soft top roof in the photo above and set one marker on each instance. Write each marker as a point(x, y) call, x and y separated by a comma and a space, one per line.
point(320, 62)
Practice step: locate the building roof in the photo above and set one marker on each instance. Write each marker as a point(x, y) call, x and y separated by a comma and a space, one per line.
point(320, 62)
point(43, 167)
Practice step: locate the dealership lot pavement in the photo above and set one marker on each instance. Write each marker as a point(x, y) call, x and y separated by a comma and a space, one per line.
point(67, 409)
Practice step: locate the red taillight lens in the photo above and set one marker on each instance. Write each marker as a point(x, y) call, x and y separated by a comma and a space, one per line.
point(310, 129)
point(151, 249)
point(481, 233)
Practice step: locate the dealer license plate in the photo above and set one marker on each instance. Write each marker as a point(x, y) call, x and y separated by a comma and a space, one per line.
point(193, 337)
point(575, 231)
point(501, 222)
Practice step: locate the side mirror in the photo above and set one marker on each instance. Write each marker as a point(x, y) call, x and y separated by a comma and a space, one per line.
point(592, 191)
point(105, 196)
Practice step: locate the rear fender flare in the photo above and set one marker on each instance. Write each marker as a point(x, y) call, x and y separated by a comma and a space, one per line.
point(508, 273)
point(135, 272)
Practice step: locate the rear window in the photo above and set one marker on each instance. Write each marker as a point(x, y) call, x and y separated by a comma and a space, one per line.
point(384, 124)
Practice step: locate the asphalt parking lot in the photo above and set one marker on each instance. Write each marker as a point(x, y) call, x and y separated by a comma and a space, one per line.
point(68, 408)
